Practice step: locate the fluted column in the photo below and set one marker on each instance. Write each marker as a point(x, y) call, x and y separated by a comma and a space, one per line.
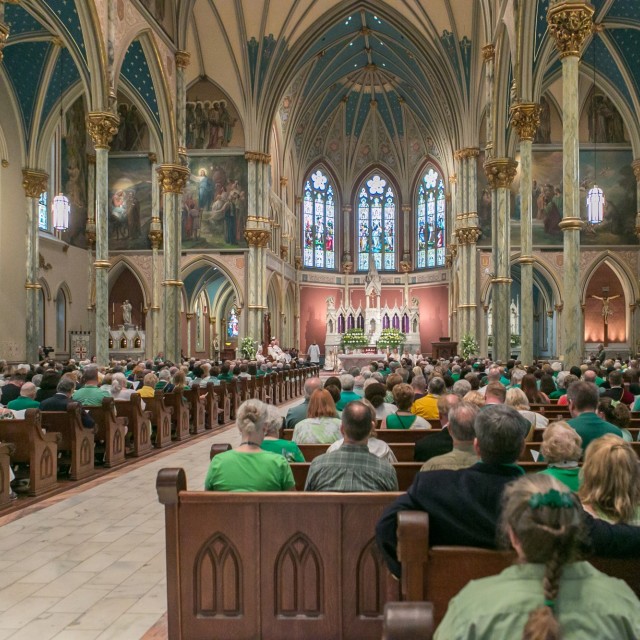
point(489, 56)
point(173, 179)
point(500, 174)
point(525, 119)
point(570, 23)
point(34, 183)
point(102, 126)
point(152, 328)
point(182, 62)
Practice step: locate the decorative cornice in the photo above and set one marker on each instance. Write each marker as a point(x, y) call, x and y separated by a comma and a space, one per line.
point(468, 152)
point(525, 119)
point(257, 237)
point(488, 52)
point(173, 177)
point(34, 182)
point(102, 126)
point(183, 58)
point(500, 172)
point(570, 23)
point(257, 156)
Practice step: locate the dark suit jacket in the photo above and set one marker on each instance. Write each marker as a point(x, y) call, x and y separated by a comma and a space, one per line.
point(59, 402)
point(296, 414)
point(435, 444)
point(10, 392)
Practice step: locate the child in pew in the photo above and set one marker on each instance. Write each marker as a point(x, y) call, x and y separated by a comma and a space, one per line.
point(549, 594)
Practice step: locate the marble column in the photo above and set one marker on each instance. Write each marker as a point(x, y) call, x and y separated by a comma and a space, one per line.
point(155, 238)
point(635, 165)
point(102, 126)
point(173, 179)
point(182, 62)
point(90, 231)
point(525, 119)
point(570, 23)
point(452, 253)
point(189, 317)
point(34, 183)
point(500, 174)
point(489, 55)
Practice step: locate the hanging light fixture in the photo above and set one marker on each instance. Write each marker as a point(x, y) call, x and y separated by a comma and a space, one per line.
point(595, 198)
point(61, 207)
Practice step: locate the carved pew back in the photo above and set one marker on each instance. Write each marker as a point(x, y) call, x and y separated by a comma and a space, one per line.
point(160, 419)
point(224, 403)
point(211, 407)
point(301, 566)
point(197, 408)
point(111, 431)
point(76, 442)
point(33, 447)
point(6, 449)
point(138, 421)
point(180, 416)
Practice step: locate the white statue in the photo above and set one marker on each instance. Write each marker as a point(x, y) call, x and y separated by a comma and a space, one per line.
point(331, 303)
point(126, 312)
point(373, 283)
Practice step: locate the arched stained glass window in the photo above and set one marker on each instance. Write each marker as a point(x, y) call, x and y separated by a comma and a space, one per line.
point(232, 323)
point(43, 214)
point(430, 221)
point(376, 224)
point(319, 222)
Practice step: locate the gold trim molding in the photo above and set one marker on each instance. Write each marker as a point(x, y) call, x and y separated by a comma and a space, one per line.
point(102, 264)
point(34, 182)
point(571, 224)
point(501, 280)
point(172, 283)
point(32, 285)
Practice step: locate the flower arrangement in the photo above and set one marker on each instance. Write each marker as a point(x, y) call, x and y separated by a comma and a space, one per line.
point(354, 339)
point(468, 346)
point(248, 348)
point(514, 340)
point(391, 338)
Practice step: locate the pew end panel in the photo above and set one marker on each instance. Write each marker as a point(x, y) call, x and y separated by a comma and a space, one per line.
point(139, 423)
point(6, 449)
point(408, 621)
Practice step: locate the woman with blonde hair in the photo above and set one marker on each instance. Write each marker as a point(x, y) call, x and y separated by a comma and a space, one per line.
point(474, 397)
point(562, 450)
point(549, 594)
point(248, 467)
point(610, 487)
point(148, 388)
point(321, 426)
point(517, 399)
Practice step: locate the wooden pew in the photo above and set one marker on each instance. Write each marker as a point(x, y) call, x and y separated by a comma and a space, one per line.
point(211, 408)
point(139, 423)
point(112, 431)
point(318, 573)
point(402, 451)
point(437, 574)
point(197, 408)
point(408, 621)
point(243, 389)
point(160, 419)
point(6, 450)
point(76, 443)
point(390, 435)
point(33, 447)
point(224, 403)
point(232, 389)
point(180, 415)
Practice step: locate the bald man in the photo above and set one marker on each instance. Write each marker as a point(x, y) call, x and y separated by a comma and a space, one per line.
point(26, 399)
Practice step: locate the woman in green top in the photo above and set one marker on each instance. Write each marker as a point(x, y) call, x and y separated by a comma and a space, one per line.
point(562, 450)
point(272, 441)
point(249, 467)
point(403, 418)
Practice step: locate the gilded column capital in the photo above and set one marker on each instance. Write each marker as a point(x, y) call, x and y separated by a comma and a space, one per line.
point(257, 156)
point(570, 23)
point(257, 237)
point(102, 126)
point(90, 231)
point(347, 266)
point(4, 36)
point(173, 177)
point(500, 172)
point(34, 182)
point(284, 181)
point(453, 179)
point(468, 235)
point(488, 52)
point(405, 266)
point(189, 316)
point(405, 208)
point(284, 251)
point(347, 208)
point(635, 165)
point(183, 58)
point(155, 233)
point(525, 119)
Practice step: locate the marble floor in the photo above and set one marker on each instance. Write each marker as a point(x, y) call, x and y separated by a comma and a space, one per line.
point(89, 564)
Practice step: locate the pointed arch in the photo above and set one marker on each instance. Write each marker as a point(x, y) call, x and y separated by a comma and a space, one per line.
point(122, 262)
point(213, 261)
point(622, 271)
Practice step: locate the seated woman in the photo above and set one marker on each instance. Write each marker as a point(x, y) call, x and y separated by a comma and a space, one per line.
point(562, 388)
point(249, 467)
point(562, 450)
point(321, 425)
point(119, 389)
point(402, 418)
point(274, 443)
point(375, 392)
point(517, 399)
point(529, 385)
point(549, 594)
point(610, 488)
point(617, 414)
point(148, 388)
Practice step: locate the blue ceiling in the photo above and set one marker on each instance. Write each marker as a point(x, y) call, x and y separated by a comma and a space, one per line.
point(136, 71)
point(20, 22)
point(64, 76)
point(67, 14)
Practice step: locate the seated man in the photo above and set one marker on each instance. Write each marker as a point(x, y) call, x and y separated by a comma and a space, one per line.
point(26, 399)
point(464, 505)
point(461, 427)
point(61, 399)
point(347, 394)
point(352, 467)
point(299, 412)
point(91, 395)
point(437, 444)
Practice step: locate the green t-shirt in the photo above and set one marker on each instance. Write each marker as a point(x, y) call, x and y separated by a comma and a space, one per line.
point(90, 396)
point(394, 421)
point(237, 471)
point(286, 448)
point(569, 476)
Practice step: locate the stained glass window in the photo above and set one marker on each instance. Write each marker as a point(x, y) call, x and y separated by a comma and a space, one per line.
point(430, 221)
point(376, 224)
point(43, 215)
point(232, 323)
point(318, 222)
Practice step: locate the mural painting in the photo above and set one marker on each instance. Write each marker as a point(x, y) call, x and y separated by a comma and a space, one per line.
point(129, 203)
point(133, 131)
point(214, 205)
point(212, 120)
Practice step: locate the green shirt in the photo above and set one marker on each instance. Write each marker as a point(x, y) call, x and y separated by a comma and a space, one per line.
point(21, 403)
point(351, 468)
point(286, 448)
point(90, 396)
point(237, 471)
point(591, 426)
point(589, 604)
point(570, 476)
point(394, 421)
point(345, 398)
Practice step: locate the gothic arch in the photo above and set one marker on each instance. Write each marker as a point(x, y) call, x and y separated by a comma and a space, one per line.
point(212, 260)
point(623, 272)
point(42, 281)
point(66, 290)
point(119, 264)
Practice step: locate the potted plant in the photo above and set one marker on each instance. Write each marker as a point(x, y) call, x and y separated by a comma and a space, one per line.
point(248, 348)
point(468, 346)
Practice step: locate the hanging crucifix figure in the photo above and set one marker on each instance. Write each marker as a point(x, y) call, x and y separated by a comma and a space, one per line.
point(606, 314)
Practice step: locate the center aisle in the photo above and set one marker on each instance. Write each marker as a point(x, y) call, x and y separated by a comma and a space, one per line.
point(90, 564)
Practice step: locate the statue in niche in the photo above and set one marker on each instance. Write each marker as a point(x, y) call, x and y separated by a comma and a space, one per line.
point(126, 312)
point(373, 283)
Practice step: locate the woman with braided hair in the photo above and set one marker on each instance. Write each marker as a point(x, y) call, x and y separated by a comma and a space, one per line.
point(549, 594)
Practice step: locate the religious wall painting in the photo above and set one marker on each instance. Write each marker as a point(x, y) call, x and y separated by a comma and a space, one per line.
point(162, 11)
point(129, 203)
point(133, 131)
point(212, 122)
point(214, 205)
point(601, 122)
point(74, 171)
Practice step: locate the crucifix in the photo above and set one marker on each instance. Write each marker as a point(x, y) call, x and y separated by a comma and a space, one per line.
point(606, 314)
